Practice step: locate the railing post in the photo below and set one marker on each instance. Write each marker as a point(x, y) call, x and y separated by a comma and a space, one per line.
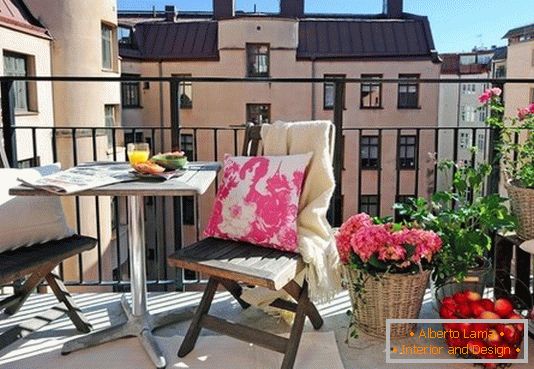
point(494, 159)
point(175, 144)
point(337, 201)
point(8, 121)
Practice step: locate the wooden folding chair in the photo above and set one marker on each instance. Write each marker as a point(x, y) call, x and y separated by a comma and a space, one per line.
point(38, 263)
point(229, 263)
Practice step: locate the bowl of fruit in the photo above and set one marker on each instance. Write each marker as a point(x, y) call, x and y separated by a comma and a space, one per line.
point(481, 340)
point(171, 160)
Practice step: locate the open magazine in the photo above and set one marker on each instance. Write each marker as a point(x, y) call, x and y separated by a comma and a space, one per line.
point(83, 177)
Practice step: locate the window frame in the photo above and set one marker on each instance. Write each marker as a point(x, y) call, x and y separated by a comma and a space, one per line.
point(333, 86)
point(368, 203)
point(182, 85)
point(189, 152)
point(112, 29)
point(371, 84)
point(128, 85)
point(29, 87)
point(369, 145)
point(408, 84)
point(249, 55)
point(402, 161)
point(250, 105)
point(110, 132)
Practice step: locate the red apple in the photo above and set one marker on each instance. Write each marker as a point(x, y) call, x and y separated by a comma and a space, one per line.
point(463, 311)
point(508, 351)
point(494, 338)
point(448, 301)
point(476, 308)
point(488, 315)
point(480, 327)
point(503, 307)
point(473, 296)
point(459, 297)
point(446, 312)
point(510, 334)
point(465, 329)
point(519, 326)
point(487, 304)
point(490, 356)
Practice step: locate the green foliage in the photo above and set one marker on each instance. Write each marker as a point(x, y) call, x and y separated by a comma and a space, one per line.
point(462, 217)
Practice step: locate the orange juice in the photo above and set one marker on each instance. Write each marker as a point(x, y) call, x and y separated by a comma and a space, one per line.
point(138, 156)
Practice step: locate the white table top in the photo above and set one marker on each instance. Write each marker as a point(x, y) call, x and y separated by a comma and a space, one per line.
point(196, 180)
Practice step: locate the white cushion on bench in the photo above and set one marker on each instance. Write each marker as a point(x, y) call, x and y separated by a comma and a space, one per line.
point(28, 220)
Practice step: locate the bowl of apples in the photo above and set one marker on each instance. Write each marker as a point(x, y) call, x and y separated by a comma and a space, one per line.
point(481, 340)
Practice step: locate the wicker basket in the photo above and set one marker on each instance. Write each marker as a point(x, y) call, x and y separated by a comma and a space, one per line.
point(522, 202)
point(392, 296)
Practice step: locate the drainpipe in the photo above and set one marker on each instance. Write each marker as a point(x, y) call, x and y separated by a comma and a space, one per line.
point(313, 95)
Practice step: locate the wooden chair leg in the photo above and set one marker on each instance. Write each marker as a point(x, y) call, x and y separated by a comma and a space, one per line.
point(295, 291)
point(13, 303)
point(73, 311)
point(193, 332)
point(235, 289)
point(296, 330)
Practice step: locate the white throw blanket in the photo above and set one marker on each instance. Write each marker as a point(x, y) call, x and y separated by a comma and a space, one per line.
point(316, 241)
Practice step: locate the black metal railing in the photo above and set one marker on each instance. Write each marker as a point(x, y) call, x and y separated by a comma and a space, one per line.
point(175, 222)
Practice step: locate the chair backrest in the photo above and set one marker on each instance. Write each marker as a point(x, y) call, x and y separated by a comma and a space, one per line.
point(252, 140)
point(3, 157)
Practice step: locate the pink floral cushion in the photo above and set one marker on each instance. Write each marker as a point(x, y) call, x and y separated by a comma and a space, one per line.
point(258, 200)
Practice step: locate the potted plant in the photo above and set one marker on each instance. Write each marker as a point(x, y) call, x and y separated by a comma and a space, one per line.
point(465, 220)
point(516, 150)
point(388, 266)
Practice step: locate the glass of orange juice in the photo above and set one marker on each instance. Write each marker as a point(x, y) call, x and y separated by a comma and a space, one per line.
point(138, 152)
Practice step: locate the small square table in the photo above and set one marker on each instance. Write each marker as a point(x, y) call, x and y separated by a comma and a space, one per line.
point(195, 181)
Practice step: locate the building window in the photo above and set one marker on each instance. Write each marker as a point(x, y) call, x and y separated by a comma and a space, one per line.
point(125, 36)
point(188, 210)
point(482, 115)
point(187, 145)
point(109, 121)
point(329, 92)
point(532, 95)
point(185, 91)
point(402, 199)
point(468, 88)
point(20, 65)
point(133, 137)
point(407, 152)
point(107, 46)
point(408, 95)
point(371, 92)
point(29, 163)
point(500, 72)
point(369, 204)
point(468, 113)
point(369, 156)
point(259, 113)
point(464, 140)
point(258, 60)
point(481, 144)
point(130, 92)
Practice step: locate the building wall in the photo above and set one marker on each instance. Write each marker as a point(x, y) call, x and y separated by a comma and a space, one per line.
point(519, 64)
point(37, 50)
point(224, 104)
point(75, 26)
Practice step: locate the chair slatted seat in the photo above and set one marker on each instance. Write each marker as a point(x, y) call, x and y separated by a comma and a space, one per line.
point(230, 263)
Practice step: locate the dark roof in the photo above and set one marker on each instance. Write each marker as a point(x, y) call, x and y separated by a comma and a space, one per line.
point(341, 37)
point(520, 31)
point(450, 63)
point(173, 41)
point(500, 53)
point(15, 15)
point(365, 38)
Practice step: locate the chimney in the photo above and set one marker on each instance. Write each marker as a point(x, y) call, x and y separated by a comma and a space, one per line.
point(170, 13)
point(292, 8)
point(393, 8)
point(223, 9)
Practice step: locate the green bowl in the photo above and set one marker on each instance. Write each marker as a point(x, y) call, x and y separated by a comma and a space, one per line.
point(170, 162)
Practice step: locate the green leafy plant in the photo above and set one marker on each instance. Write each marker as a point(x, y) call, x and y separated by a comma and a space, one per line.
point(516, 141)
point(462, 217)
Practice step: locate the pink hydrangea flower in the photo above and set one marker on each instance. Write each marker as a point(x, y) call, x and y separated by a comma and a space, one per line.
point(347, 230)
point(369, 240)
point(523, 113)
point(496, 91)
point(485, 97)
point(426, 243)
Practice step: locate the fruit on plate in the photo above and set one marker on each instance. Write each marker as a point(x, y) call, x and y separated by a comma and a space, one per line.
point(148, 168)
point(171, 160)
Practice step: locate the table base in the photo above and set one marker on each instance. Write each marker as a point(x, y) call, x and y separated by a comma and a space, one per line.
point(136, 325)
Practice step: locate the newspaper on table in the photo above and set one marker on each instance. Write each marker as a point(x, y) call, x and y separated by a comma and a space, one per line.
point(83, 177)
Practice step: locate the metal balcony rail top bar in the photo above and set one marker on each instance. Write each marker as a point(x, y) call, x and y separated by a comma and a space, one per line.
point(264, 79)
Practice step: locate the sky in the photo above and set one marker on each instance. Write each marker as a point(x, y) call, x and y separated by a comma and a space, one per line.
point(457, 25)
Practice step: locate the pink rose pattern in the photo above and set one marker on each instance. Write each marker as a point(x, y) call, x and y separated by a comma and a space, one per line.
point(257, 201)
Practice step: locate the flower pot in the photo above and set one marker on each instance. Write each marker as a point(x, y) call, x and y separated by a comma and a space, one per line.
point(476, 280)
point(522, 203)
point(390, 296)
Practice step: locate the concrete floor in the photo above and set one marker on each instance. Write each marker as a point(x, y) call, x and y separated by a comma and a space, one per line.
point(103, 309)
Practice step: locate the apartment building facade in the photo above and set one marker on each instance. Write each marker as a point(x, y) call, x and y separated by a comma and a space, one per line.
point(292, 44)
